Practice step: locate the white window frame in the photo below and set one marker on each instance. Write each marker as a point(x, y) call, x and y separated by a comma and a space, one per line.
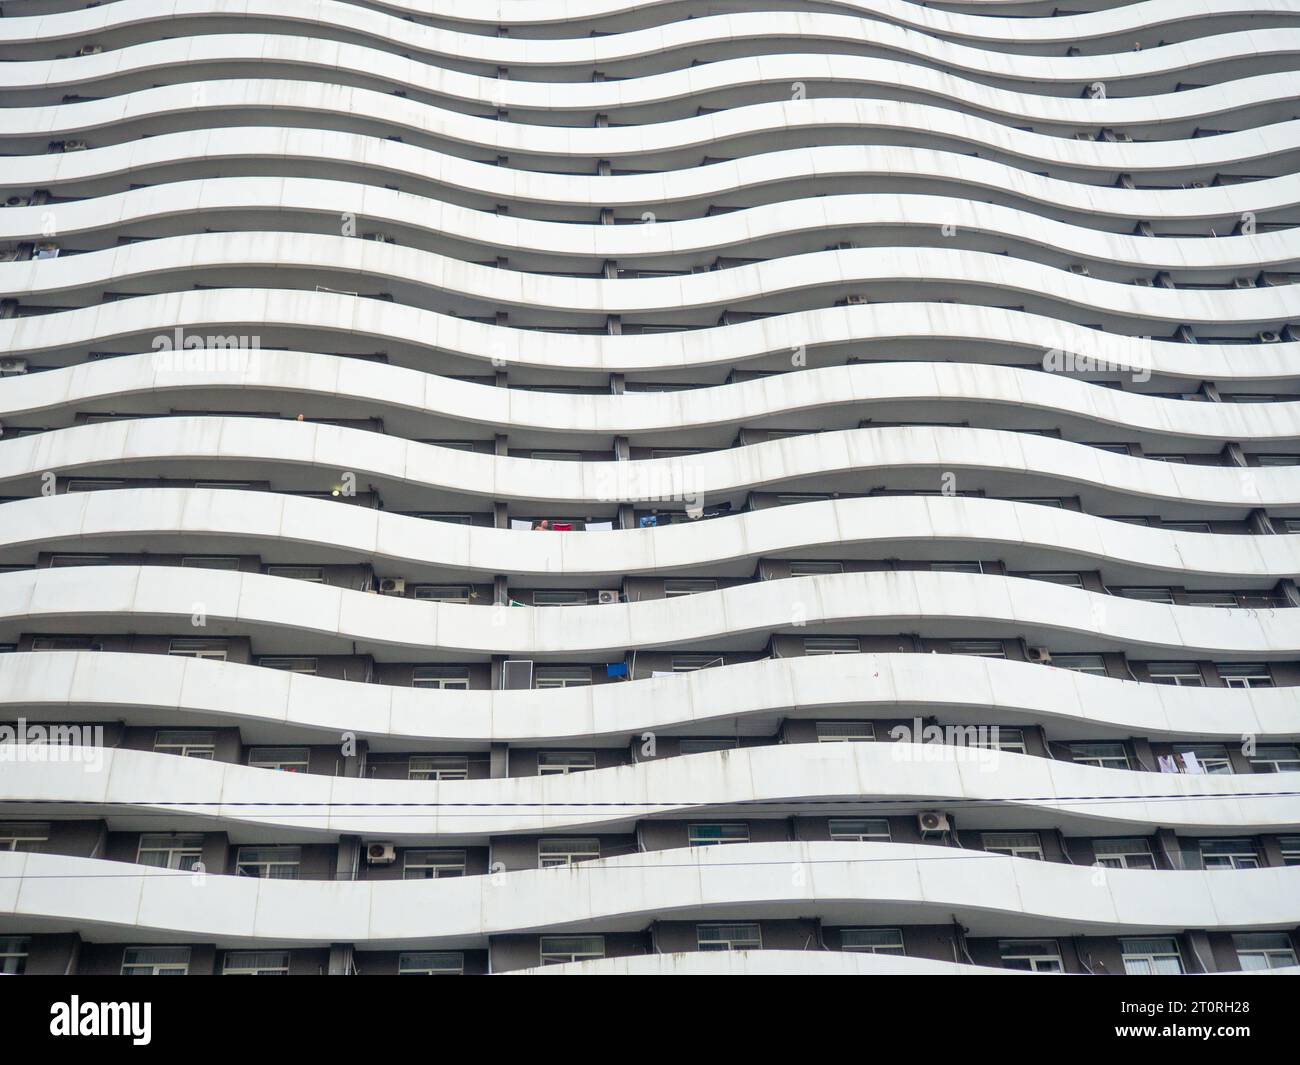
point(422, 863)
point(1045, 960)
point(566, 851)
point(282, 857)
point(716, 833)
point(550, 949)
point(1014, 844)
point(170, 850)
point(193, 747)
point(256, 963)
point(574, 762)
point(1128, 852)
point(859, 829)
point(729, 936)
point(155, 967)
point(890, 941)
point(22, 835)
point(437, 767)
point(1141, 959)
point(431, 963)
point(1261, 955)
point(280, 759)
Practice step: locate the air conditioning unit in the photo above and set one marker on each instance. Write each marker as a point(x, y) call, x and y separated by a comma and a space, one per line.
point(1243, 282)
point(18, 201)
point(90, 49)
point(1198, 184)
point(856, 300)
point(1267, 336)
point(1039, 654)
point(381, 853)
point(383, 238)
point(10, 367)
point(933, 821)
point(1080, 269)
point(607, 595)
point(74, 146)
point(392, 586)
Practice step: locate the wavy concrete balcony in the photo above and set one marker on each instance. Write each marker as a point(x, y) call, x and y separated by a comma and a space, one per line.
point(283, 611)
point(969, 333)
point(143, 790)
point(1258, 99)
point(895, 882)
point(764, 177)
point(838, 397)
point(1200, 37)
point(779, 284)
point(822, 460)
point(936, 527)
point(776, 124)
point(769, 230)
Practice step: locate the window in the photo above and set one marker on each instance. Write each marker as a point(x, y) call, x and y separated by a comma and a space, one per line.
point(1123, 853)
point(431, 963)
point(1146, 595)
point(814, 569)
point(559, 763)
point(66, 643)
point(1229, 854)
point(432, 865)
point(1014, 844)
point(713, 835)
point(555, 853)
point(448, 678)
point(1151, 957)
point(1290, 846)
point(672, 589)
point(559, 598)
point(562, 677)
point(1211, 757)
point(728, 937)
point(1241, 675)
point(859, 829)
point(226, 562)
point(997, 738)
point(556, 950)
point(23, 835)
point(832, 645)
point(310, 574)
point(256, 963)
point(1067, 580)
point(162, 850)
point(1186, 526)
point(437, 767)
point(873, 941)
point(1178, 674)
point(979, 648)
point(1094, 664)
point(60, 561)
point(156, 961)
point(443, 593)
point(289, 665)
point(1276, 758)
point(213, 649)
point(845, 731)
point(956, 567)
point(13, 955)
point(1101, 755)
point(281, 759)
point(1031, 955)
point(690, 663)
point(1263, 950)
point(1219, 600)
point(704, 746)
point(269, 863)
point(186, 744)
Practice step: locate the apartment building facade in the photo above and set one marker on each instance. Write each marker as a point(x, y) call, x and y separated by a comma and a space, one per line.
point(808, 486)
